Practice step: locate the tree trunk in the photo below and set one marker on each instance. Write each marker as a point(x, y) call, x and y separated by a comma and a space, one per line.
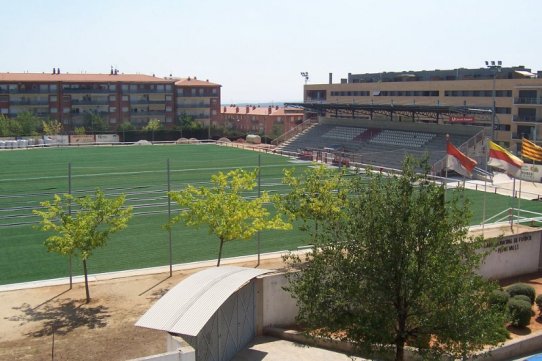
point(86, 280)
point(399, 350)
point(220, 252)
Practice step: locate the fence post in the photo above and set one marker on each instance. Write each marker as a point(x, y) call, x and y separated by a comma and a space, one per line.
point(169, 220)
point(70, 213)
point(259, 193)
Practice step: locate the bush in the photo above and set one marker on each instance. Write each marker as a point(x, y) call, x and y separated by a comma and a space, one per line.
point(521, 289)
point(520, 312)
point(522, 297)
point(538, 302)
point(499, 298)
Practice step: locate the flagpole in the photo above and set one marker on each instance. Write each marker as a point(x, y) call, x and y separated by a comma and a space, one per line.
point(519, 199)
point(484, 207)
point(511, 204)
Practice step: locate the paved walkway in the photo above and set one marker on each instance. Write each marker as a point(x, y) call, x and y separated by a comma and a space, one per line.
point(272, 349)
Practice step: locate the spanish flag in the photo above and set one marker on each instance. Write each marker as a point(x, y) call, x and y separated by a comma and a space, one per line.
point(503, 159)
point(530, 150)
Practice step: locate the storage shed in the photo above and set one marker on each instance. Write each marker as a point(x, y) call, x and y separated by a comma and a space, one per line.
point(212, 310)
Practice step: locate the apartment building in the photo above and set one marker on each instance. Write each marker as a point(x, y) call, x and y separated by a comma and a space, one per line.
point(116, 98)
point(198, 99)
point(517, 92)
point(270, 120)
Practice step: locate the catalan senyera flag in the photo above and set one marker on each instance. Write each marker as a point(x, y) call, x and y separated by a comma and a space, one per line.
point(530, 150)
point(503, 159)
point(459, 162)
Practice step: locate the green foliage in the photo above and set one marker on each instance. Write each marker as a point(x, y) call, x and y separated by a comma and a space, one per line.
point(152, 125)
point(499, 298)
point(52, 127)
point(24, 124)
point(89, 226)
point(538, 302)
point(520, 312)
point(126, 126)
point(317, 197)
point(522, 297)
point(522, 289)
point(224, 208)
point(395, 266)
point(95, 122)
point(79, 131)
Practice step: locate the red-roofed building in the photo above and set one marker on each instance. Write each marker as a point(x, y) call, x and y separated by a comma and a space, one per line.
point(116, 98)
point(271, 120)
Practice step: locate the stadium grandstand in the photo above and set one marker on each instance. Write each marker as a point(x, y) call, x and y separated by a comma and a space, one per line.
point(381, 142)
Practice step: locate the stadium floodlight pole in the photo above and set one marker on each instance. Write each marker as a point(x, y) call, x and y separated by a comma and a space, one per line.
point(305, 75)
point(496, 68)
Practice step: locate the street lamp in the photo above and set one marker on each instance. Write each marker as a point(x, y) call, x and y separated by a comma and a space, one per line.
point(305, 75)
point(496, 68)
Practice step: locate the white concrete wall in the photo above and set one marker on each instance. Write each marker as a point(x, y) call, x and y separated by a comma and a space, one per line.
point(514, 255)
point(107, 138)
point(278, 307)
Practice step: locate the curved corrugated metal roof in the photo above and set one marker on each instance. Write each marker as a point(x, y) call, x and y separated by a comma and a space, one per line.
point(187, 307)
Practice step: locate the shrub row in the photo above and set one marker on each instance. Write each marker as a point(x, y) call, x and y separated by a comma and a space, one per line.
point(517, 300)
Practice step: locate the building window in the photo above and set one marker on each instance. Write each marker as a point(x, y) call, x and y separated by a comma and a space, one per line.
point(214, 91)
point(168, 97)
point(125, 109)
point(52, 98)
point(168, 87)
point(124, 87)
point(201, 91)
point(169, 120)
point(168, 109)
point(112, 109)
point(112, 120)
point(65, 110)
point(193, 91)
point(54, 110)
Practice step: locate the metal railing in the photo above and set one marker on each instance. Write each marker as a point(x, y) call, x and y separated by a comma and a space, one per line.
point(294, 131)
point(526, 118)
point(521, 100)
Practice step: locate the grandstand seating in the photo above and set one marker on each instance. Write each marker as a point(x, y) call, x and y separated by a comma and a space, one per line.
point(375, 146)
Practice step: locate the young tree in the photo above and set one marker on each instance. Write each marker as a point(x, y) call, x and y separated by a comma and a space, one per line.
point(93, 221)
point(52, 127)
point(80, 131)
point(152, 126)
point(399, 270)
point(224, 208)
point(319, 195)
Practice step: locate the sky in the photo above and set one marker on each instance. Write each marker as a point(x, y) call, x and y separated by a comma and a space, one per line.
point(257, 49)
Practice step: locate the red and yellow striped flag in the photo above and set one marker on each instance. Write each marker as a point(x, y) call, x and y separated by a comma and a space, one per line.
point(530, 150)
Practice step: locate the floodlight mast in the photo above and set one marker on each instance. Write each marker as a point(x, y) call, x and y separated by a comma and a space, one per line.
point(305, 75)
point(496, 68)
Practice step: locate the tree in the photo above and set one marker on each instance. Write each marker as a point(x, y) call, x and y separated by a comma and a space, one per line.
point(399, 271)
point(224, 209)
point(319, 195)
point(153, 125)
point(80, 131)
point(52, 127)
point(95, 122)
point(93, 221)
point(29, 124)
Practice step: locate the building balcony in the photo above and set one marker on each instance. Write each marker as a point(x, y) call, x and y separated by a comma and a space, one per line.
point(146, 101)
point(193, 106)
point(28, 91)
point(87, 91)
point(526, 118)
point(533, 101)
point(145, 114)
point(28, 102)
point(90, 102)
point(146, 91)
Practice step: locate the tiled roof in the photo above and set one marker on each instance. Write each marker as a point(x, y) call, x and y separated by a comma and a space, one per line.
point(81, 78)
point(194, 82)
point(254, 110)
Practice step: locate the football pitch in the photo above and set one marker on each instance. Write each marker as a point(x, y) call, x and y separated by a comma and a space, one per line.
point(28, 177)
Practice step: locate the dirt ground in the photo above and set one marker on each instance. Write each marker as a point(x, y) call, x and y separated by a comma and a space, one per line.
point(101, 330)
point(104, 329)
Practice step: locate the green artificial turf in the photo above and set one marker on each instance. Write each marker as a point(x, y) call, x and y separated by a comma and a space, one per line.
point(28, 177)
